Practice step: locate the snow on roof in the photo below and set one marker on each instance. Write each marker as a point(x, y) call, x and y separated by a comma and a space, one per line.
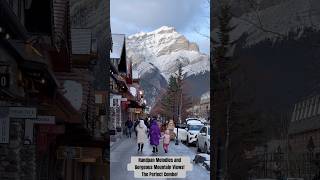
point(117, 45)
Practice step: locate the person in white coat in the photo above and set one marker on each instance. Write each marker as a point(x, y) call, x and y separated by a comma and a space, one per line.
point(141, 135)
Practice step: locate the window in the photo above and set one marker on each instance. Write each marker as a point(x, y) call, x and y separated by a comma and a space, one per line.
point(194, 127)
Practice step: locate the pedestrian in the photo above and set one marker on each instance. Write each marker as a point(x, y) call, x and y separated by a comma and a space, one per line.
point(136, 123)
point(141, 134)
point(129, 125)
point(155, 135)
point(166, 141)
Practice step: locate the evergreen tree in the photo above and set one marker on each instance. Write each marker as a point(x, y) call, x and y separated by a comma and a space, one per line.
point(169, 99)
point(237, 128)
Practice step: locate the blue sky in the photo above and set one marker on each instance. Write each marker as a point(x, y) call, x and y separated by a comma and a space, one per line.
point(189, 17)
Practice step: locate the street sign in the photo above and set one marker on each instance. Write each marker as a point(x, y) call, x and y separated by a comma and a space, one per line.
point(22, 112)
point(4, 125)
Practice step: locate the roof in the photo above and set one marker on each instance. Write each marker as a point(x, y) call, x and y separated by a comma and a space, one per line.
point(305, 115)
point(118, 41)
point(81, 41)
point(309, 124)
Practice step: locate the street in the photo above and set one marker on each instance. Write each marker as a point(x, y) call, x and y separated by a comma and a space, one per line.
point(121, 154)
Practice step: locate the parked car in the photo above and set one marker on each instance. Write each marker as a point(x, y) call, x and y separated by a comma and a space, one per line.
point(192, 129)
point(203, 143)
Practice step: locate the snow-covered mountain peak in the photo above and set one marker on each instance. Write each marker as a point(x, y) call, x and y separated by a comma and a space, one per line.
point(162, 41)
point(158, 53)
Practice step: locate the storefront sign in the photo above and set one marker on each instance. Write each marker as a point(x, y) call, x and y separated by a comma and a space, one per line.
point(4, 125)
point(67, 152)
point(22, 112)
point(115, 100)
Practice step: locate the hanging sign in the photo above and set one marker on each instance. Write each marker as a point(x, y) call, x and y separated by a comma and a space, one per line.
point(22, 112)
point(4, 125)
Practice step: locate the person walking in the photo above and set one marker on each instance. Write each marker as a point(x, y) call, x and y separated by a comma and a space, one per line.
point(129, 125)
point(155, 135)
point(166, 140)
point(136, 123)
point(141, 130)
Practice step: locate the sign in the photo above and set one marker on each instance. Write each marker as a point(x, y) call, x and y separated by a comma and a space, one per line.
point(4, 80)
point(124, 99)
point(115, 100)
point(4, 125)
point(68, 152)
point(29, 127)
point(22, 112)
point(98, 98)
point(44, 120)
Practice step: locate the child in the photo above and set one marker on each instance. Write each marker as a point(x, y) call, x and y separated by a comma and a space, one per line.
point(166, 141)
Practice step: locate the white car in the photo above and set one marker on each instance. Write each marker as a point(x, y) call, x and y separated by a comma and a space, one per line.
point(192, 130)
point(203, 143)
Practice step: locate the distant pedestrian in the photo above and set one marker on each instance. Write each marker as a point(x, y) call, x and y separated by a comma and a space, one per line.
point(166, 141)
point(155, 135)
point(129, 125)
point(141, 135)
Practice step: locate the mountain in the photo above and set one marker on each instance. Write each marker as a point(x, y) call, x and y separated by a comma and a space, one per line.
point(158, 53)
point(277, 53)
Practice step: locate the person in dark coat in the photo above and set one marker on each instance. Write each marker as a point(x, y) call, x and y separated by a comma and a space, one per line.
point(129, 125)
point(155, 135)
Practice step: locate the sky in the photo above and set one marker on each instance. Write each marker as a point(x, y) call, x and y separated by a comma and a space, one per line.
point(188, 17)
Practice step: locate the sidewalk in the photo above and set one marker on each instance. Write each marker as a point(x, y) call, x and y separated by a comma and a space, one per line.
point(121, 153)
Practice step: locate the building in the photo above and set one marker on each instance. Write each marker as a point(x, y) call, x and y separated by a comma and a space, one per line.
point(126, 95)
point(50, 78)
point(202, 108)
point(304, 137)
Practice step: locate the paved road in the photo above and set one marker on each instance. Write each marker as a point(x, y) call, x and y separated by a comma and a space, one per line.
point(121, 155)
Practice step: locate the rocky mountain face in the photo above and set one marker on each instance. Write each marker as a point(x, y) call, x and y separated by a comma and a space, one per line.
point(155, 56)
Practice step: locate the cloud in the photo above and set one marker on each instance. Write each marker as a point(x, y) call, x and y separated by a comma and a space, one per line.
point(132, 16)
